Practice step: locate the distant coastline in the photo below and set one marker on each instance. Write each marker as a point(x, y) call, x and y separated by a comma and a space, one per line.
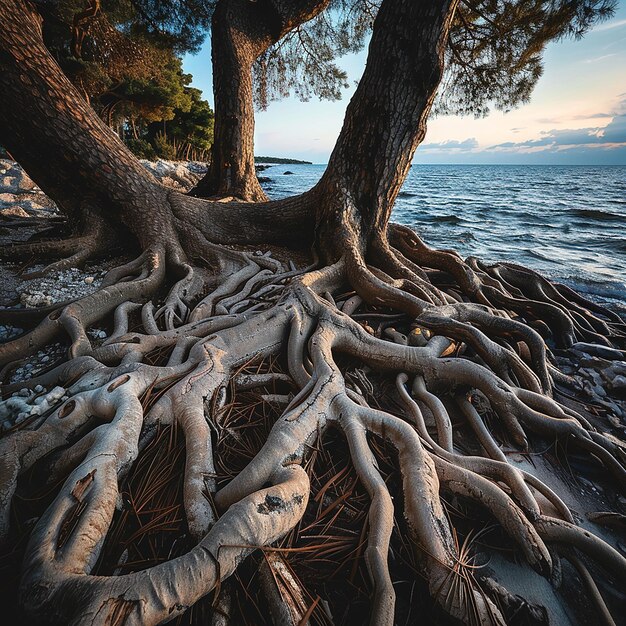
point(281, 161)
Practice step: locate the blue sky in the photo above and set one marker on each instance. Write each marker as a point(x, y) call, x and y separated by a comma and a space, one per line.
point(577, 114)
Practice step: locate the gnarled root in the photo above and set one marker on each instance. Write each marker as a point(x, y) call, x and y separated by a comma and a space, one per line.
point(415, 347)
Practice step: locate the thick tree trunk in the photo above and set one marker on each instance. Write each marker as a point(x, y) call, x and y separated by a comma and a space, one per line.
point(384, 123)
point(55, 135)
point(79, 162)
point(241, 31)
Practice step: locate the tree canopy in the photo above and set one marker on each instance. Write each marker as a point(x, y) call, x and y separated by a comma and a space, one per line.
point(494, 47)
point(125, 57)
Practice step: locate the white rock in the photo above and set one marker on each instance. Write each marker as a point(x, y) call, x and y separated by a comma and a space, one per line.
point(34, 300)
point(14, 211)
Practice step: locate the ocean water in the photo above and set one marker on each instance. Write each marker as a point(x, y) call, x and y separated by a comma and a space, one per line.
point(567, 222)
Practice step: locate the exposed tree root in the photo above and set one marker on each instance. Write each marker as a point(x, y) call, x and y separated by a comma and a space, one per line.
point(95, 240)
point(453, 340)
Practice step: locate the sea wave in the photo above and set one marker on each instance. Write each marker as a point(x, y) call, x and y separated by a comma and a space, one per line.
point(598, 214)
point(565, 222)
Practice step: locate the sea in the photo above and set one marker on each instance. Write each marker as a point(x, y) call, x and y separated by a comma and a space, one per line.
point(566, 222)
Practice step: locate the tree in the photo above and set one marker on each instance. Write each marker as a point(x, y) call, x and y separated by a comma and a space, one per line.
point(241, 32)
point(125, 58)
point(493, 57)
point(473, 335)
point(190, 130)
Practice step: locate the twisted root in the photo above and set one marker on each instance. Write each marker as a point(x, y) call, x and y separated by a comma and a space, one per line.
point(465, 345)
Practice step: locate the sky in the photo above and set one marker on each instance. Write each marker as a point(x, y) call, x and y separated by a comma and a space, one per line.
point(577, 113)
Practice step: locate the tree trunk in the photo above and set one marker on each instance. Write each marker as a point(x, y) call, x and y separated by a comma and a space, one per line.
point(461, 331)
point(74, 157)
point(384, 122)
point(44, 121)
point(241, 31)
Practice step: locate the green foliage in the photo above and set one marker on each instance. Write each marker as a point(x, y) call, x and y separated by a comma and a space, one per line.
point(124, 56)
point(180, 25)
point(493, 57)
point(141, 148)
point(126, 60)
point(163, 148)
point(194, 124)
point(303, 62)
point(151, 99)
point(495, 47)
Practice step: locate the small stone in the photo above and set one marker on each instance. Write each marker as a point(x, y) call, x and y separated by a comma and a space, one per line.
point(45, 358)
point(39, 388)
point(56, 393)
point(24, 393)
point(89, 280)
point(14, 211)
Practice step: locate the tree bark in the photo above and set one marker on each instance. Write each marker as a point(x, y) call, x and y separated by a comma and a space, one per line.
point(79, 162)
point(241, 31)
point(55, 135)
point(384, 123)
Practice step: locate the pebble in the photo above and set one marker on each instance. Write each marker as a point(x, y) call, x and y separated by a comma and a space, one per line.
point(8, 332)
point(58, 287)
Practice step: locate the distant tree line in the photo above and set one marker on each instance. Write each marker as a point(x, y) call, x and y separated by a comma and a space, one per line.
point(280, 160)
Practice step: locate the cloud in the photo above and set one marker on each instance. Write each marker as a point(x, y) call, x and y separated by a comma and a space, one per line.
point(571, 118)
point(452, 145)
point(570, 146)
point(609, 26)
point(612, 136)
point(600, 58)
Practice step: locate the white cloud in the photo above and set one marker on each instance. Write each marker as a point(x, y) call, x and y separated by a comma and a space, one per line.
point(609, 26)
point(452, 145)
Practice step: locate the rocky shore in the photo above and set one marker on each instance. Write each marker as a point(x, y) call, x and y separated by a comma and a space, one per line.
point(25, 211)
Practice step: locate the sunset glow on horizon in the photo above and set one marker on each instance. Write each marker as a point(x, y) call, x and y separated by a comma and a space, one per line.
point(577, 113)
